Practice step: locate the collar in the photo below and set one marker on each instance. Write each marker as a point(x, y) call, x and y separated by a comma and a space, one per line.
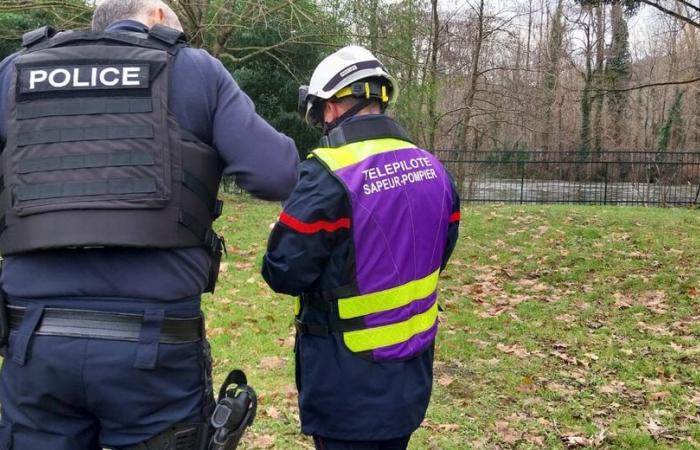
point(363, 128)
point(126, 25)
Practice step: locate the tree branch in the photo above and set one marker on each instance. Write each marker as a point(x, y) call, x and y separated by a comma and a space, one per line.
point(671, 13)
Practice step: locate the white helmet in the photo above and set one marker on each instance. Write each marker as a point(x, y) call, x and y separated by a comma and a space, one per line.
point(335, 75)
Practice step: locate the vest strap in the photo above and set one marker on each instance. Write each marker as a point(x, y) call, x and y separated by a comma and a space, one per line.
point(168, 35)
point(86, 188)
point(84, 106)
point(35, 36)
point(85, 161)
point(200, 190)
point(83, 134)
point(205, 234)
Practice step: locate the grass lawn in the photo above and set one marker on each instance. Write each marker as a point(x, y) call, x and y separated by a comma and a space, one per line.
point(563, 327)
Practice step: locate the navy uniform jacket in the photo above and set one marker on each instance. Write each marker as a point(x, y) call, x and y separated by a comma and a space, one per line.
point(334, 384)
point(206, 101)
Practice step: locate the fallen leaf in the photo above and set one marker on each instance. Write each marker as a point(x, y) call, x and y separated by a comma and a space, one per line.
point(272, 412)
point(272, 362)
point(263, 441)
point(565, 318)
point(615, 387)
point(573, 440)
point(287, 342)
point(448, 427)
point(591, 356)
point(514, 349)
point(566, 358)
point(527, 384)
point(563, 390)
point(621, 302)
point(655, 428)
point(658, 396)
point(696, 399)
point(657, 330)
point(445, 380)
point(506, 433)
point(213, 332)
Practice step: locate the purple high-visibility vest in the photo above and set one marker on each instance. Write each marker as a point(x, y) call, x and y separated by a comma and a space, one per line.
point(401, 203)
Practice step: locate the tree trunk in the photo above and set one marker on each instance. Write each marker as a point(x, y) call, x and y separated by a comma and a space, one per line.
point(432, 87)
point(599, 81)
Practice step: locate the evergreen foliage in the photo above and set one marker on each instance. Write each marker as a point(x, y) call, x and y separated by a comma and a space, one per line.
point(671, 124)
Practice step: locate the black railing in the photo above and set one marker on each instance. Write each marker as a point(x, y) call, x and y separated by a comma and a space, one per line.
point(606, 178)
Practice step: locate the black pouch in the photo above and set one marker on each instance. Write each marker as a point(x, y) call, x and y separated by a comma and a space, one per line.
point(217, 251)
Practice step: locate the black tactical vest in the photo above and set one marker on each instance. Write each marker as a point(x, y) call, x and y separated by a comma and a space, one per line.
point(93, 158)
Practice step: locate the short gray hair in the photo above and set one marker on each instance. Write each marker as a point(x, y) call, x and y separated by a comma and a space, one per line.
point(109, 11)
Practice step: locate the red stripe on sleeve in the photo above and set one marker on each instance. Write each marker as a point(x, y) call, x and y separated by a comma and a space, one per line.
point(455, 217)
point(314, 227)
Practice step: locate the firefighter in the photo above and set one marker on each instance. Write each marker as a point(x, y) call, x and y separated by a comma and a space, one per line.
point(114, 143)
point(362, 241)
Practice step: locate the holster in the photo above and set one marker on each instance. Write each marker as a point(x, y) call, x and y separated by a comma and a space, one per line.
point(235, 411)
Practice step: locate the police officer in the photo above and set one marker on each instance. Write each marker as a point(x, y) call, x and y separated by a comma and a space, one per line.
point(362, 241)
point(114, 143)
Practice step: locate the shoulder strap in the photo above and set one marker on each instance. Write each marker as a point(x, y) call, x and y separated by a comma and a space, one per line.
point(33, 37)
point(168, 35)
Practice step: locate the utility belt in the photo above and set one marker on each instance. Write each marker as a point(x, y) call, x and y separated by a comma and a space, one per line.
point(106, 325)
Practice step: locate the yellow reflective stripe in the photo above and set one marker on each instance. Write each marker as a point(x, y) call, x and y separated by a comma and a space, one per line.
point(378, 337)
point(388, 299)
point(297, 306)
point(347, 155)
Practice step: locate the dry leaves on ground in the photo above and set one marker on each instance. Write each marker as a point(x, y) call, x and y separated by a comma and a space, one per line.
point(272, 362)
point(575, 439)
point(515, 349)
point(507, 433)
point(445, 427)
point(262, 441)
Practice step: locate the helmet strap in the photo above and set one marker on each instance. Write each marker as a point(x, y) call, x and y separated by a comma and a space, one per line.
point(356, 108)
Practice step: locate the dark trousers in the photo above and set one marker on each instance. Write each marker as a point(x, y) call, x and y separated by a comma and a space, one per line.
point(86, 394)
point(335, 444)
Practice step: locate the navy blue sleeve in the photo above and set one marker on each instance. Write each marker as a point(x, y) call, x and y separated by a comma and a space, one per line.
point(314, 220)
point(207, 101)
point(453, 228)
point(263, 161)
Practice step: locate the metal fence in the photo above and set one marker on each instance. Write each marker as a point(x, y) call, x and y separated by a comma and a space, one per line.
point(604, 178)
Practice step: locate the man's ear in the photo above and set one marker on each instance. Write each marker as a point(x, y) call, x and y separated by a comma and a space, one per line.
point(156, 17)
point(330, 111)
